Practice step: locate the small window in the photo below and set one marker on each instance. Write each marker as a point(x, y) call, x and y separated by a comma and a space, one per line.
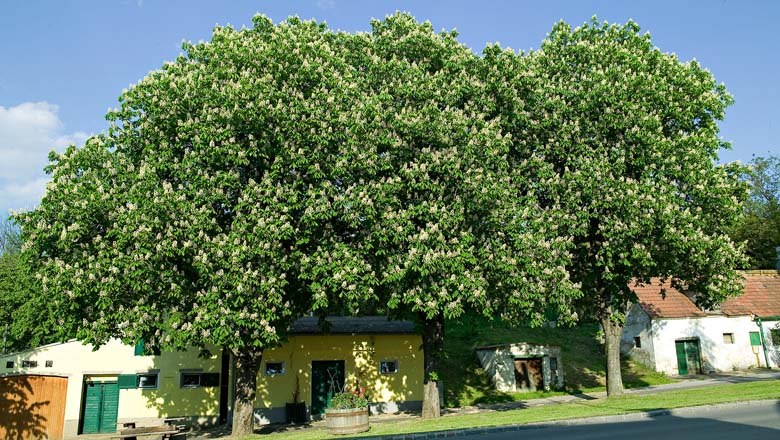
point(553, 363)
point(49, 364)
point(190, 380)
point(197, 379)
point(274, 368)
point(637, 342)
point(728, 338)
point(9, 364)
point(147, 380)
point(388, 367)
point(29, 364)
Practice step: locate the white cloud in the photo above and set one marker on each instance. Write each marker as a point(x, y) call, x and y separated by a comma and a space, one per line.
point(28, 132)
point(326, 5)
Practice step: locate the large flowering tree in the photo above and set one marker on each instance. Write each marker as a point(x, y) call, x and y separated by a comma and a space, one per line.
point(448, 226)
point(631, 134)
point(212, 211)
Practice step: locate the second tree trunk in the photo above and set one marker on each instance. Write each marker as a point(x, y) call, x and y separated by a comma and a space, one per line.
point(433, 344)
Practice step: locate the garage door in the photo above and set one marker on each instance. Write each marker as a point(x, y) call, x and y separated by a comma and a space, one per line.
point(32, 407)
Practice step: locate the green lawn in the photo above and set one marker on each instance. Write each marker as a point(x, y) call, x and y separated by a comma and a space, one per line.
point(465, 382)
point(584, 408)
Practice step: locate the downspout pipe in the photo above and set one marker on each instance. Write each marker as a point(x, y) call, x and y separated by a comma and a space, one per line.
point(757, 319)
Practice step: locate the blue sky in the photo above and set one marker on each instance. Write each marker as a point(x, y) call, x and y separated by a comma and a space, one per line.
point(64, 63)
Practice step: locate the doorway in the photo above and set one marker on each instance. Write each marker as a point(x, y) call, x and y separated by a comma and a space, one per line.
point(529, 374)
point(100, 408)
point(327, 379)
point(688, 356)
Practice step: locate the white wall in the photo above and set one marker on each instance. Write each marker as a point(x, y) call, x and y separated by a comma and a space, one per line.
point(638, 324)
point(716, 355)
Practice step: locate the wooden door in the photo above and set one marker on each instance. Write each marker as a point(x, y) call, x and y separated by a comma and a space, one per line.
point(32, 407)
point(529, 374)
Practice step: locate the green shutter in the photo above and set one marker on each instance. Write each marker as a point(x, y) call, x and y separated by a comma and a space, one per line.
point(110, 407)
point(682, 363)
point(209, 380)
point(755, 339)
point(139, 347)
point(93, 400)
point(127, 381)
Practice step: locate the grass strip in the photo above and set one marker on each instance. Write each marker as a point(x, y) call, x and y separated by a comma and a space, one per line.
point(586, 408)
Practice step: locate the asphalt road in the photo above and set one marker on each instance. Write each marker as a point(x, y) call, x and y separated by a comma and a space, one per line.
point(737, 423)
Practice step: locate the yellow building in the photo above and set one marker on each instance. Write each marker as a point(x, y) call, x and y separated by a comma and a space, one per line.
point(117, 383)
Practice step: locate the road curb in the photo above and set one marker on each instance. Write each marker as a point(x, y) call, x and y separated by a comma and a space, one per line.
point(631, 417)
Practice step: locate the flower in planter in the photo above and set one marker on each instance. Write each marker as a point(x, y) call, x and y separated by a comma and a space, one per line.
point(348, 400)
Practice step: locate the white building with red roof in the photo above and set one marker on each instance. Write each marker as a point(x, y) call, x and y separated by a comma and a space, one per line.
point(668, 332)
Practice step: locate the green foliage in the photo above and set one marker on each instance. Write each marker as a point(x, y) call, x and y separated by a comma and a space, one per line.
point(630, 134)
point(448, 226)
point(25, 319)
point(213, 209)
point(348, 401)
point(760, 228)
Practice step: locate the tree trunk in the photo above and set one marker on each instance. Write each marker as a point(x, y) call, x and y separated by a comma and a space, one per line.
point(247, 366)
point(612, 333)
point(433, 343)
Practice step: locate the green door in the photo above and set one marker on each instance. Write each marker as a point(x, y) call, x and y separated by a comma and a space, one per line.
point(101, 404)
point(692, 356)
point(682, 362)
point(327, 379)
point(688, 357)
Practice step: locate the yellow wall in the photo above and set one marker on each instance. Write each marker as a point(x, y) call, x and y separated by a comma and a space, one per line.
point(361, 355)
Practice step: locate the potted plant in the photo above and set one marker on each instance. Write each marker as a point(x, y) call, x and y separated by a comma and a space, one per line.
point(347, 413)
point(296, 411)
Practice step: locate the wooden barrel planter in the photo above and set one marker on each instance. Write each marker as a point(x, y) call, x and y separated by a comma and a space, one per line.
point(346, 421)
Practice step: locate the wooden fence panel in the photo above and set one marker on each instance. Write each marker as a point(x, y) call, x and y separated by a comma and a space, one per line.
point(32, 407)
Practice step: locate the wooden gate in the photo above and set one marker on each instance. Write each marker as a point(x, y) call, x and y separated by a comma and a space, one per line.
point(32, 407)
point(528, 374)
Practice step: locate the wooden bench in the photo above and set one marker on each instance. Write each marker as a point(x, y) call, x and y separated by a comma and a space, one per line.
point(163, 432)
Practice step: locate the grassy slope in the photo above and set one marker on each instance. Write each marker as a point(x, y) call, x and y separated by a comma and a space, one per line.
point(465, 382)
point(585, 408)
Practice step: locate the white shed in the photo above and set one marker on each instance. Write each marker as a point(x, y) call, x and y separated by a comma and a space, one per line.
point(521, 367)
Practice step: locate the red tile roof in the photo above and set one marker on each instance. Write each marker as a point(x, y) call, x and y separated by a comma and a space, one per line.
point(663, 301)
point(760, 297)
